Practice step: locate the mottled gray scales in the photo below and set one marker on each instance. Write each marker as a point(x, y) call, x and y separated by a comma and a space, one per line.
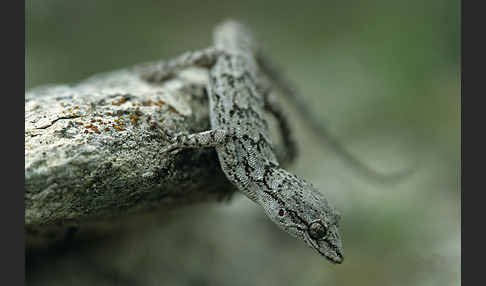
point(238, 97)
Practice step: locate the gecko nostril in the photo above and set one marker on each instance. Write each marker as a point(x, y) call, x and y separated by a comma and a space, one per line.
point(281, 212)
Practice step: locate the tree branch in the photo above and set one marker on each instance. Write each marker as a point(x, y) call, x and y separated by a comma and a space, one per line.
point(92, 151)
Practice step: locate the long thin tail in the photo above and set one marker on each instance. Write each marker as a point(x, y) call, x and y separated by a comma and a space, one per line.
point(288, 90)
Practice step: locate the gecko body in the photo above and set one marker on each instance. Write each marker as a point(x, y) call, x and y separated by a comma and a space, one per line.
point(240, 134)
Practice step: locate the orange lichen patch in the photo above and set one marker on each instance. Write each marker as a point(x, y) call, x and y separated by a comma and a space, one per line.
point(108, 113)
point(107, 129)
point(79, 123)
point(86, 131)
point(92, 127)
point(134, 104)
point(76, 107)
point(95, 129)
point(93, 121)
point(147, 103)
point(173, 109)
point(118, 128)
point(159, 103)
point(135, 117)
point(119, 102)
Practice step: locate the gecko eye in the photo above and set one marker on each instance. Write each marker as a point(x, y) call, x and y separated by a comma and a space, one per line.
point(317, 230)
point(281, 212)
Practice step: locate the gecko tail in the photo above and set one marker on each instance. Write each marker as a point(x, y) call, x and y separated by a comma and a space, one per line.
point(289, 91)
point(358, 165)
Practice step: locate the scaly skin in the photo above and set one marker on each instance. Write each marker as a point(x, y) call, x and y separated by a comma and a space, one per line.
point(242, 140)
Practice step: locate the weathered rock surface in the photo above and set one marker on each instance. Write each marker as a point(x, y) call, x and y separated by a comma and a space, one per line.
point(92, 152)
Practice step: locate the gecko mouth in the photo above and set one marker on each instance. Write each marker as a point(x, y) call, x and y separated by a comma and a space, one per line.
point(331, 252)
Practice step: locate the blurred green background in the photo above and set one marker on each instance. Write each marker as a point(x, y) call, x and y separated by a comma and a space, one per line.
point(382, 76)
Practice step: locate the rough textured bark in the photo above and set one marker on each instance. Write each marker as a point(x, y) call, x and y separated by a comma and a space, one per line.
point(92, 152)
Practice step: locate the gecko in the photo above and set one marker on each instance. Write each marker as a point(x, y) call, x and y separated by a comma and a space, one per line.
point(238, 99)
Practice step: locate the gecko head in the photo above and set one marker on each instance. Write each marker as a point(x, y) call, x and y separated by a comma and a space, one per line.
point(297, 207)
point(326, 239)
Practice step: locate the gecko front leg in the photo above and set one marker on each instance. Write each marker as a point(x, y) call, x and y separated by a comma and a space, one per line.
point(205, 139)
point(165, 70)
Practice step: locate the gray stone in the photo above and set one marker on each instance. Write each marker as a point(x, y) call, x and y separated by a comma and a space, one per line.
point(92, 153)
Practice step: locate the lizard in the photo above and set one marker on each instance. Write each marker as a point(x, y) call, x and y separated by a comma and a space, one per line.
point(238, 98)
